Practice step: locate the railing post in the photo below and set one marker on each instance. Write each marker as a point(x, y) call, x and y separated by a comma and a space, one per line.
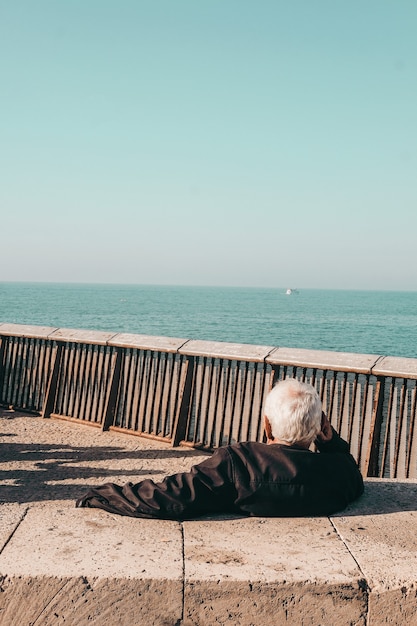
point(372, 458)
point(180, 425)
point(52, 387)
point(3, 341)
point(111, 400)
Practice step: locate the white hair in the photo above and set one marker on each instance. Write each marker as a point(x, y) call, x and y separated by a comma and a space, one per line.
point(294, 411)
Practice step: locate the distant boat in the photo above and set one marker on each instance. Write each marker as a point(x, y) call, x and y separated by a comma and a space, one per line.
point(291, 292)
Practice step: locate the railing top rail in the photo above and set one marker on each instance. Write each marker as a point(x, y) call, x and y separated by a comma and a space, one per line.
point(223, 350)
point(324, 359)
point(147, 342)
point(27, 330)
point(378, 365)
point(398, 367)
point(82, 336)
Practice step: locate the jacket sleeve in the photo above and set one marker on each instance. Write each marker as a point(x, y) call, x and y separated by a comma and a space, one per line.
point(336, 444)
point(206, 488)
point(350, 476)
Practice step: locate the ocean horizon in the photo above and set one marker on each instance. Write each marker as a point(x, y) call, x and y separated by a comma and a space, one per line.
point(359, 321)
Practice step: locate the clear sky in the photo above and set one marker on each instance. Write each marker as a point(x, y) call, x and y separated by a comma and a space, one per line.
point(209, 142)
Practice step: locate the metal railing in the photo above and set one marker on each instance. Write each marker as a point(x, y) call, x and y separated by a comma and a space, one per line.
point(207, 394)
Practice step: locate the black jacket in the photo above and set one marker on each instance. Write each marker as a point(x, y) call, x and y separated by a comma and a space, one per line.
point(247, 478)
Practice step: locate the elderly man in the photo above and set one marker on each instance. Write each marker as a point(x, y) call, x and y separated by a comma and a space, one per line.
point(280, 478)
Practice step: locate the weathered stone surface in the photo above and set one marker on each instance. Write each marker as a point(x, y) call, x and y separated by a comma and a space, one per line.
point(323, 359)
point(270, 571)
point(83, 566)
point(240, 603)
point(396, 366)
point(10, 517)
point(89, 542)
point(82, 336)
point(26, 330)
point(147, 342)
point(380, 531)
point(223, 350)
point(81, 601)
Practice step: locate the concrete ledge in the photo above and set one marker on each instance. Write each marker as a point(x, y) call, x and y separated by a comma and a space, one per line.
point(223, 350)
point(81, 336)
point(147, 342)
point(380, 532)
point(72, 566)
point(270, 571)
point(26, 330)
point(396, 366)
point(378, 365)
point(61, 565)
point(324, 359)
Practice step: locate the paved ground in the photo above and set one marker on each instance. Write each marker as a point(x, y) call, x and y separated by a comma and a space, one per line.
point(44, 460)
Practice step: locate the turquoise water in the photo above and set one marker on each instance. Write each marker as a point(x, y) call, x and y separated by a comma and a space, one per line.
point(375, 322)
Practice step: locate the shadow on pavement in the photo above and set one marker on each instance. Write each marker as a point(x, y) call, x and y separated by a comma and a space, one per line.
point(382, 497)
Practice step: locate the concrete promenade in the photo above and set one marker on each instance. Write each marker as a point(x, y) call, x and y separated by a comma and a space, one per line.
point(79, 567)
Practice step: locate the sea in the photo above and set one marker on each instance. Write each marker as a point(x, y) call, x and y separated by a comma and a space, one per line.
point(366, 322)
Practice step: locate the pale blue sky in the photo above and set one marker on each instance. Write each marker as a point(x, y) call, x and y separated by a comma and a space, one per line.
point(217, 142)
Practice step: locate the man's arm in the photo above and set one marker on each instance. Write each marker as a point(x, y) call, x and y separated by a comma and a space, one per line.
point(206, 488)
point(328, 440)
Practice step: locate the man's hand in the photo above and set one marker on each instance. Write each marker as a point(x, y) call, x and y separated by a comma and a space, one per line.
point(326, 433)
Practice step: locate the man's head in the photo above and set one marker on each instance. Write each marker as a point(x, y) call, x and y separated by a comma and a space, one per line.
point(292, 413)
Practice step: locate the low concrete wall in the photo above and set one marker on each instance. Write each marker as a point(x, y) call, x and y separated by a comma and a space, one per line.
point(61, 565)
